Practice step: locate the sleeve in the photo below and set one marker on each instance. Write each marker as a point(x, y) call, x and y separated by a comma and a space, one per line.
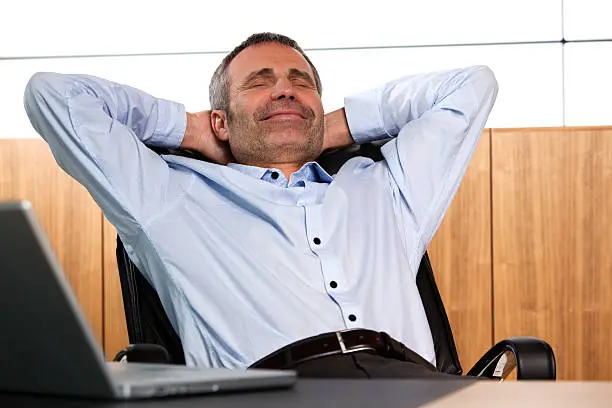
point(97, 132)
point(435, 121)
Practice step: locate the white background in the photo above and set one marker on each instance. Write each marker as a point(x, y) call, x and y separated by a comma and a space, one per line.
point(170, 48)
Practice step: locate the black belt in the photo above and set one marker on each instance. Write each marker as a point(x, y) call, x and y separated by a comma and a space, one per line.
point(340, 342)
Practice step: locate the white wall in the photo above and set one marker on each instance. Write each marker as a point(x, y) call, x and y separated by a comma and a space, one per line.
point(170, 48)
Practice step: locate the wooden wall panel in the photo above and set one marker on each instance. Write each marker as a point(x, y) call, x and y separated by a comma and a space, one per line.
point(69, 216)
point(461, 258)
point(552, 240)
point(115, 330)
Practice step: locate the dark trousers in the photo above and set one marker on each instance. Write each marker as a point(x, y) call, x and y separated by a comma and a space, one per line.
point(364, 364)
point(355, 353)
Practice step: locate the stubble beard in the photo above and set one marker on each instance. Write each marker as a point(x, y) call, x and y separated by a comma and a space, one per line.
point(260, 143)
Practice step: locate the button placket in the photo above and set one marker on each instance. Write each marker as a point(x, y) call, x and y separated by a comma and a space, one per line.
point(329, 265)
point(352, 315)
point(313, 228)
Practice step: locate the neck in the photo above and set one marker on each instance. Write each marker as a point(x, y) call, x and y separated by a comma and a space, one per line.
point(287, 168)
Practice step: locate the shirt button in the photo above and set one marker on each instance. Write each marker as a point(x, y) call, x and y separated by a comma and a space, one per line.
point(317, 241)
point(352, 317)
point(333, 284)
point(274, 175)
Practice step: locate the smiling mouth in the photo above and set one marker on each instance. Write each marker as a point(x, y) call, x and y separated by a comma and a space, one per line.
point(284, 115)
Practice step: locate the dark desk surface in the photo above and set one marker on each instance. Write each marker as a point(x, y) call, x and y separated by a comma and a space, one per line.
point(306, 393)
point(371, 394)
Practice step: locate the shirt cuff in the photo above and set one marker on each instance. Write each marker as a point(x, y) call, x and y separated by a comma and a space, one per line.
point(363, 117)
point(171, 124)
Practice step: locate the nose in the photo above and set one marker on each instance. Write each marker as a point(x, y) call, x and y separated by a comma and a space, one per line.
point(283, 89)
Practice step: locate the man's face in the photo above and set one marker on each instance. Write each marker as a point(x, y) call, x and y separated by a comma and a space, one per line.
point(276, 114)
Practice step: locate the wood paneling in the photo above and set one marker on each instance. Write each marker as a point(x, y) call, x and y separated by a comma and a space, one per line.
point(461, 258)
point(552, 240)
point(115, 330)
point(69, 216)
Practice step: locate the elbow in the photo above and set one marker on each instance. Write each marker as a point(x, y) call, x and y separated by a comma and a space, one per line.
point(39, 82)
point(42, 86)
point(42, 81)
point(44, 98)
point(486, 77)
point(34, 95)
point(36, 89)
point(45, 91)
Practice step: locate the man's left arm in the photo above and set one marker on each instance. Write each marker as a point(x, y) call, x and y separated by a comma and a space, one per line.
point(436, 120)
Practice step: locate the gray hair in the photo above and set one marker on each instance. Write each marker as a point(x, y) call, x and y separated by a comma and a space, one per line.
point(219, 83)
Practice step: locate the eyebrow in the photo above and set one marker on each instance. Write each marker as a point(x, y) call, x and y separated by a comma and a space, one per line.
point(268, 73)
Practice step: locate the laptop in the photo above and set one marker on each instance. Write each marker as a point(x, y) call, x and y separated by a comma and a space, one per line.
point(47, 346)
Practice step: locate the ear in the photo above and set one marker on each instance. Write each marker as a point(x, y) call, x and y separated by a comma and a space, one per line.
point(218, 121)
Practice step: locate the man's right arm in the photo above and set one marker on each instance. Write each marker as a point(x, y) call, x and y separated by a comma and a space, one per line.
point(97, 131)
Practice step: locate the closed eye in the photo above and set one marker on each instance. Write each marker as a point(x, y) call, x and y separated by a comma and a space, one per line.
point(258, 79)
point(304, 85)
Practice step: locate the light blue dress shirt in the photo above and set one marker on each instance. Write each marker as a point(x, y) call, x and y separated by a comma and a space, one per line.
point(245, 263)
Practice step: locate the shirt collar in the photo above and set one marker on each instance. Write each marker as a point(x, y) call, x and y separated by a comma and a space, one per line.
point(311, 172)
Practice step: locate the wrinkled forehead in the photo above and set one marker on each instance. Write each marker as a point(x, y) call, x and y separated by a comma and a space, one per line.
point(280, 58)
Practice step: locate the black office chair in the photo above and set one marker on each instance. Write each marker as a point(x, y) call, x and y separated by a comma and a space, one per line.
point(153, 339)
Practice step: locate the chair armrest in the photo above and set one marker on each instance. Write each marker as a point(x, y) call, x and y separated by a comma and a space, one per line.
point(143, 353)
point(534, 360)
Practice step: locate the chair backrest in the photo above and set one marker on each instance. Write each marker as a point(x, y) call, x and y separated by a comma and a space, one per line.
point(147, 321)
point(145, 317)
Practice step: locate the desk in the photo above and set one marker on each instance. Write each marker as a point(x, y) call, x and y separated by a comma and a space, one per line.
point(528, 394)
point(372, 393)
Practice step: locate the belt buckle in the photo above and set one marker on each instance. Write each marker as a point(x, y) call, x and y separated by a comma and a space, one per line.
point(341, 342)
point(346, 350)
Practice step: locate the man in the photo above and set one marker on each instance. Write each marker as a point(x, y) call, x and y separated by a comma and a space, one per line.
point(258, 247)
